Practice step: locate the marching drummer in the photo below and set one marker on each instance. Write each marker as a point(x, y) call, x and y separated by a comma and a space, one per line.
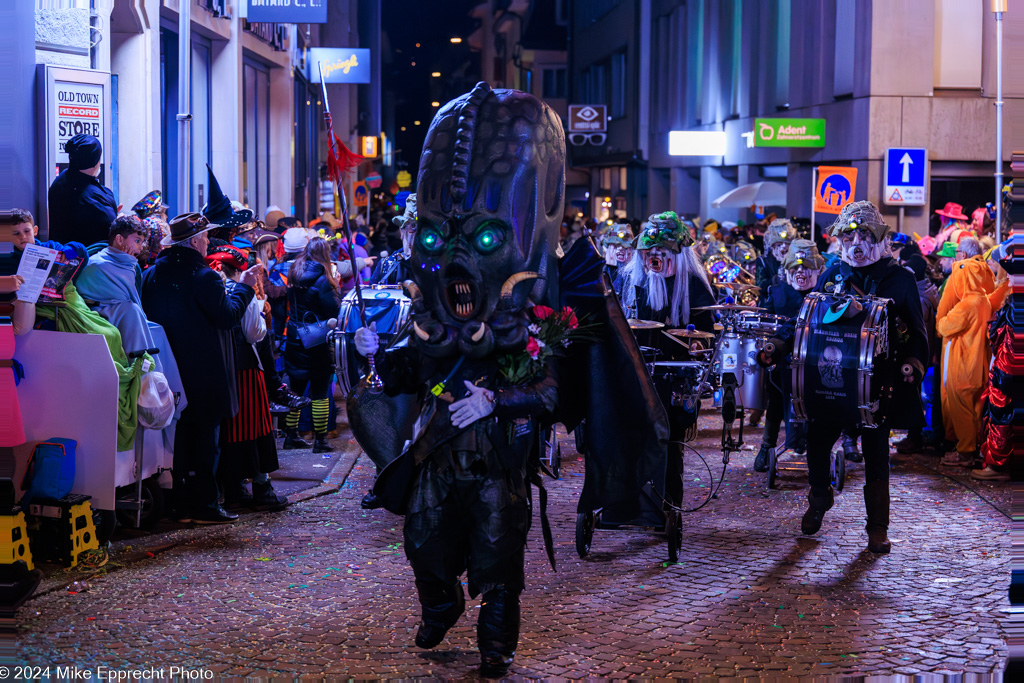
point(777, 238)
point(801, 266)
point(665, 281)
point(617, 244)
point(867, 269)
point(393, 270)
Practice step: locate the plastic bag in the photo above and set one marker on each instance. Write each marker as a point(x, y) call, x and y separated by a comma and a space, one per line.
point(156, 401)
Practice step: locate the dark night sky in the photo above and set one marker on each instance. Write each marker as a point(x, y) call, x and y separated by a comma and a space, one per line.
point(431, 24)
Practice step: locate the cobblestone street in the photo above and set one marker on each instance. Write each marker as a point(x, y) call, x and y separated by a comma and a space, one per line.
point(324, 588)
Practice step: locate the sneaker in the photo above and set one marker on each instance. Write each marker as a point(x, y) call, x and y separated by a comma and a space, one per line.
point(957, 459)
point(278, 409)
point(761, 459)
point(289, 398)
point(989, 474)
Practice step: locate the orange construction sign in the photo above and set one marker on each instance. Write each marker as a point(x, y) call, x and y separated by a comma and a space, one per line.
point(835, 188)
point(359, 194)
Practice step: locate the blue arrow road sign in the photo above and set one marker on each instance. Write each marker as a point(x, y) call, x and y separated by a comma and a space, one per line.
point(906, 171)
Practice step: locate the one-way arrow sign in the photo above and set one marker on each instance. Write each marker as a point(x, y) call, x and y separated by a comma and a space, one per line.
point(906, 177)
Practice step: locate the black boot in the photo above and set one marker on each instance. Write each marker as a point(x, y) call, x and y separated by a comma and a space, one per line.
point(850, 451)
point(321, 445)
point(266, 499)
point(442, 607)
point(371, 501)
point(292, 441)
point(761, 459)
point(497, 632)
point(818, 505)
point(876, 502)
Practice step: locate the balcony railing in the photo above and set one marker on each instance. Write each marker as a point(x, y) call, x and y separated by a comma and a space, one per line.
point(274, 35)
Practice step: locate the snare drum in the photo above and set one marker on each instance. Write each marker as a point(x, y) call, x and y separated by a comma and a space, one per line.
point(737, 356)
point(759, 324)
point(843, 370)
point(387, 306)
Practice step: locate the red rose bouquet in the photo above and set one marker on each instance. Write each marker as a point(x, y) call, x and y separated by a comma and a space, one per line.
point(551, 332)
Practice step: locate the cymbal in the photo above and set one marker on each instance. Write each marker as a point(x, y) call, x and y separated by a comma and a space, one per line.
point(737, 286)
point(690, 334)
point(729, 307)
point(635, 324)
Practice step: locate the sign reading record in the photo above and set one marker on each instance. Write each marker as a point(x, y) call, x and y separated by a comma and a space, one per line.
point(789, 132)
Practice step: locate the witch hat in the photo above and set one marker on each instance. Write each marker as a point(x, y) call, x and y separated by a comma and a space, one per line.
point(218, 206)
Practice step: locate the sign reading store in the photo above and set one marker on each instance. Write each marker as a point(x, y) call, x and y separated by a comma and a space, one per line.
point(286, 11)
point(789, 132)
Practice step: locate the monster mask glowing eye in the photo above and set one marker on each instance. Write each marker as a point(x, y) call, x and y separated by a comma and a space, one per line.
point(430, 240)
point(489, 237)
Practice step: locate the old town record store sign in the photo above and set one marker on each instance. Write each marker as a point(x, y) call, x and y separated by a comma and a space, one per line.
point(286, 11)
point(789, 132)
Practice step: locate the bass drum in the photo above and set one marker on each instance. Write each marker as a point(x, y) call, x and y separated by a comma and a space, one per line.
point(386, 305)
point(843, 370)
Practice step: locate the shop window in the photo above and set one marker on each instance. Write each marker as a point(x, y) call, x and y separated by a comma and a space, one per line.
point(623, 174)
point(617, 100)
point(199, 100)
point(958, 44)
point(554, 86)
point(606, 179)
point(256, 157)
point(783, 18)
point(846, 21)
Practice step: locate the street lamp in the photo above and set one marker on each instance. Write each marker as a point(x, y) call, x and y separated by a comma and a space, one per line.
point(436, 74)
point(998, 8)
point(456, 39)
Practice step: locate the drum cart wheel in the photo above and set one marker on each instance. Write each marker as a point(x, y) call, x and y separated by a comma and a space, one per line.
point(585, 524)
point(152, 506)
point(674, 532)
point(838, 470)
point(773, 468)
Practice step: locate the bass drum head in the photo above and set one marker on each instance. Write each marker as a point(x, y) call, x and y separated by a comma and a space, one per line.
point(839, 363)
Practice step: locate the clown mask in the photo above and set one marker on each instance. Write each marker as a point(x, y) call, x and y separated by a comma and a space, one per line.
point(859, 247)
point(802, 278)
point(659, 260)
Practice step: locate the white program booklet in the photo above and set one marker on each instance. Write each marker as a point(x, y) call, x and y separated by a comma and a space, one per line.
point(35, 266)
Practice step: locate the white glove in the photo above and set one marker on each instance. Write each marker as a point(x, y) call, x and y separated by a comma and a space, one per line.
point(476, 406)
point(367, 341)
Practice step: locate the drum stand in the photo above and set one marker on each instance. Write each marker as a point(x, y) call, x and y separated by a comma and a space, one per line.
point(730, 411)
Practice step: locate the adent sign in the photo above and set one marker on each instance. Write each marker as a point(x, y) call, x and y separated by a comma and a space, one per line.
point(341, 64)
point(789, 132)
point(287, 11)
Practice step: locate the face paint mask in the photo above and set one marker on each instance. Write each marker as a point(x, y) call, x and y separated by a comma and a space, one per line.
point(622, 254)
point(779, 250)
point(802, 279)
point(859, 248)
point(660, 261)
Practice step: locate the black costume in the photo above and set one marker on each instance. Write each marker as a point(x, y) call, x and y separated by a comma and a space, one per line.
point(391, 270)
point(80, 208)
point(786, 301)
point(884, 278)
point(767, 275)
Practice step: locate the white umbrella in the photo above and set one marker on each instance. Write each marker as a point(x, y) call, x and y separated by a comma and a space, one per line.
point(764, 193)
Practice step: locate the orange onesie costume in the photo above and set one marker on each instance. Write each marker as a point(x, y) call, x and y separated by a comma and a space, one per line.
point(962, 322)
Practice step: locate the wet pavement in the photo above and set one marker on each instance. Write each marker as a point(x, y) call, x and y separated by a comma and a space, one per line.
point(323, 588)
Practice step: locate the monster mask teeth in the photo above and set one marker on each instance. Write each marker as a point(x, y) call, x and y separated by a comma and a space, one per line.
point(461, 299)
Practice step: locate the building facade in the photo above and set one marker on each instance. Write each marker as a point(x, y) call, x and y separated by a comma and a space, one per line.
point(882, 74)
point(256, 109)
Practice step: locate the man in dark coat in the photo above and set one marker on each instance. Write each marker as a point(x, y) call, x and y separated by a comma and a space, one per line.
point(181, 293)
point(81, 209)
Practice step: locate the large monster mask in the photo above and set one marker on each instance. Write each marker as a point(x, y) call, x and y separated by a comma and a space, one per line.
point(491, 189)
